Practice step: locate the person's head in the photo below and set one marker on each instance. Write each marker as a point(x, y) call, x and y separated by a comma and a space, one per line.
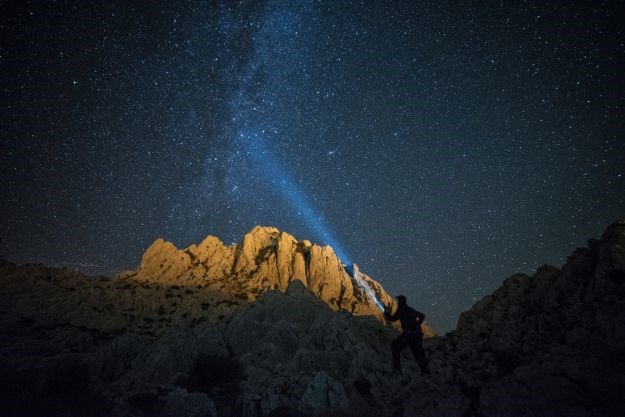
point(401, 300)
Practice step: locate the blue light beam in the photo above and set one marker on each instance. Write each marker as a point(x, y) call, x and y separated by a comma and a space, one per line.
point(256, 147)
point(355, 273)
point(279, 57)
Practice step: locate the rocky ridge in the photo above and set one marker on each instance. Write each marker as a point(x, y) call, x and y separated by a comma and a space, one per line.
point(267, 259)
point(550, 344)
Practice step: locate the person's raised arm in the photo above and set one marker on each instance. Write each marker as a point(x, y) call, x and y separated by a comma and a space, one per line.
point(420, 317)
point(388, 315)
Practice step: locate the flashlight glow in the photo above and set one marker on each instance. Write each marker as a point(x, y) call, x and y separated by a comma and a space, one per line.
point(271, 168)
point(257, 148)
point(354, 272)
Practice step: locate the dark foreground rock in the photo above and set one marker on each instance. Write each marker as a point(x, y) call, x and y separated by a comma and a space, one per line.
point(551, 344)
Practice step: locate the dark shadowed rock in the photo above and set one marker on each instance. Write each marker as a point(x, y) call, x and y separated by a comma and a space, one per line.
point(324, 393)
point(263, 329)
point(553, 343)
point(179, 402)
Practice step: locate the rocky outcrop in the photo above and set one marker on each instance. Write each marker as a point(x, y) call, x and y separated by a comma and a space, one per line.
point(552, 343)
point(163, 263)
point(284, 351)
point(300, 355)
point(179, 402)
point(267, 259)
point(549, 344)
point(324, 394)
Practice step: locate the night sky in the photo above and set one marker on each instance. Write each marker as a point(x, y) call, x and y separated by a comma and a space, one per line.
point(443, 146)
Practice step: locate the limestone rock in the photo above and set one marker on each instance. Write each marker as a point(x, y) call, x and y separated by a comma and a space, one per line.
point(324, 393)
point(182, 403)
point(171, 356)
point(162, 262)
point(216, 258)
point(548, 343)
point(255, 244)
point(267, 259)
point(285, 257)
point(279, 333)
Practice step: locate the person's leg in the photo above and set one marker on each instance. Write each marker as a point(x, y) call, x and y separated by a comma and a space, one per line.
point(419, 354)
point(396, 347)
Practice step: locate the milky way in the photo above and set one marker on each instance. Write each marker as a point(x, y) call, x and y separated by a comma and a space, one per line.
point(441, 146)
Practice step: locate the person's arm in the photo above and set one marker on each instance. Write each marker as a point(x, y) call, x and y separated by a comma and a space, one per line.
point(388, 315)
point(420, 317)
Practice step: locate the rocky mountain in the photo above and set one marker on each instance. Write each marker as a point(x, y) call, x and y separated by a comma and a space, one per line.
point(276, 327)
point(552, 343)
point(267, 259)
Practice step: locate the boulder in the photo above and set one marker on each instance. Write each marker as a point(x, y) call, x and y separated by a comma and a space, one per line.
point(324, 393)
point(179, 403)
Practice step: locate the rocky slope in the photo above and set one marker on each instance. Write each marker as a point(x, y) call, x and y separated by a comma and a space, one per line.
point(250, 330)
point(267, 259)
point(552, 343)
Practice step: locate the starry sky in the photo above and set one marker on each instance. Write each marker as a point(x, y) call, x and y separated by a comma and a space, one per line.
point(442, 146)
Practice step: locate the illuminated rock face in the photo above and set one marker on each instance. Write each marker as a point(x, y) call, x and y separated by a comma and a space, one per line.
point(267, 259)
point(542, 345)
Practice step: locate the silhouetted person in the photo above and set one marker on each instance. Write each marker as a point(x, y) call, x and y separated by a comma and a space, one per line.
point(411, 334)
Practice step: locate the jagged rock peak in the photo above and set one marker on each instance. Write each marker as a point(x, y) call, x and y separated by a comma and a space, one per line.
point(266, 259)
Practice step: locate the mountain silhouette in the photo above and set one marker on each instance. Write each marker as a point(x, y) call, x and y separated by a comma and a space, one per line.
point(274, 326)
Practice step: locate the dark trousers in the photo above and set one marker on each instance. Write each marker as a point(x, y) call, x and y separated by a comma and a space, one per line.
point(413, 340)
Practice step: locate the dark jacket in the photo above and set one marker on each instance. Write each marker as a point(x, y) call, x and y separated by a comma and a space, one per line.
point(409, 318)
